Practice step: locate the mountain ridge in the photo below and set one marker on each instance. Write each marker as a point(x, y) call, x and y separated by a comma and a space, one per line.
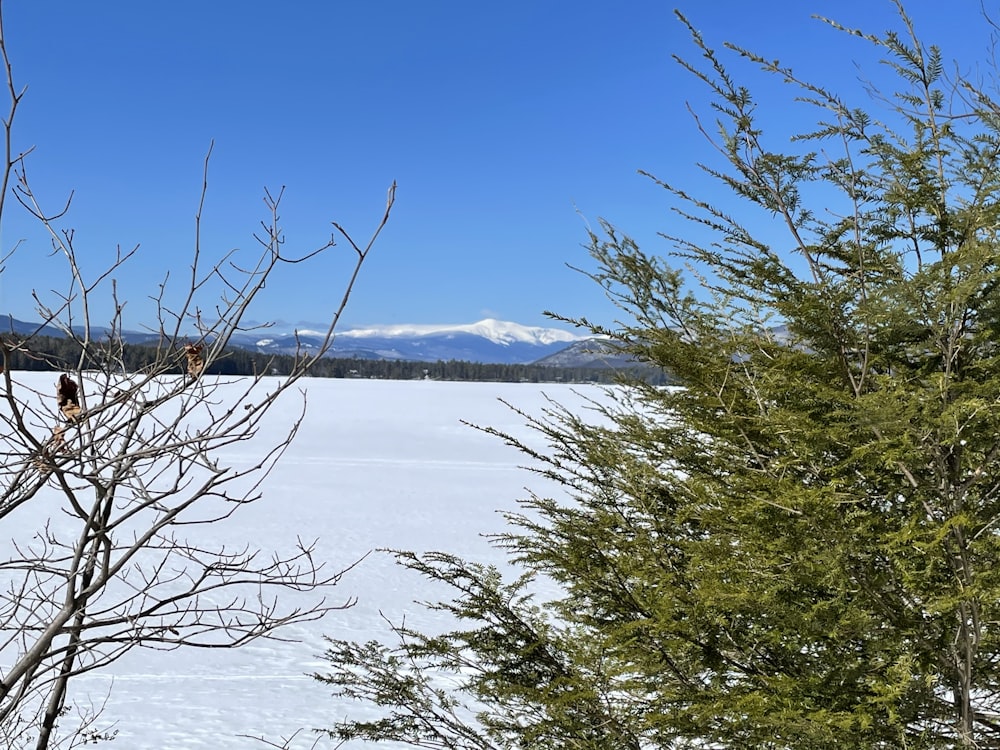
point(488, 341)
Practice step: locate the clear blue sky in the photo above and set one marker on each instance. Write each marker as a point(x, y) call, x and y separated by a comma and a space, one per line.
point(507, 125)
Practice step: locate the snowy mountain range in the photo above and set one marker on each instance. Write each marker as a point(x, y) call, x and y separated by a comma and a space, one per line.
point(493, 341)
point(487, 341)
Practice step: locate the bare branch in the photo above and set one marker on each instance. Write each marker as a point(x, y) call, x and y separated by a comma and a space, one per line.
point(120, 478)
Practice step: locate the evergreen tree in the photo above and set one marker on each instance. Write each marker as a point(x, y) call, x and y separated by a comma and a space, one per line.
point(800, 546)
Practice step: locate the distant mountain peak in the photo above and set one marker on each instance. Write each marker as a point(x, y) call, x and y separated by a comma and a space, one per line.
point(497, 331)
point(487, 341)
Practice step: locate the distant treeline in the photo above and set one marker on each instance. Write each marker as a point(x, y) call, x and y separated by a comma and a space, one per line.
point(57, 353)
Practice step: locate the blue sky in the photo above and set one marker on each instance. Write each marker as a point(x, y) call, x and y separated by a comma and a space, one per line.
point(509, 126)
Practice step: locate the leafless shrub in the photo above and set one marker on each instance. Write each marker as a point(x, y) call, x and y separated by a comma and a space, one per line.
point(120, 472)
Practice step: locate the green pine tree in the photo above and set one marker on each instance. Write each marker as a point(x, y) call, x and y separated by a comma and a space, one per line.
point(799, 547)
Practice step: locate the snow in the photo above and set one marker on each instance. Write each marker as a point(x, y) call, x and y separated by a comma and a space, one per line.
point(376, 464)
point(497, 331)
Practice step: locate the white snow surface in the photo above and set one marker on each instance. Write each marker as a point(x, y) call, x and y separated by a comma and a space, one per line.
point(375, 464)
point(497, 331)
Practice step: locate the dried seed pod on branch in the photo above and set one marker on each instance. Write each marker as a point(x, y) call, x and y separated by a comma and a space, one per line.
point(67, 397)
point(195, 363)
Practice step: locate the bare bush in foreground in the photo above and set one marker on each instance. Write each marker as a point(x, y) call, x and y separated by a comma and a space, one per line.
point(109, 480)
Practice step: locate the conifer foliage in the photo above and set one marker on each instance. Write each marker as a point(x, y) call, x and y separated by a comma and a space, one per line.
point(799, 547)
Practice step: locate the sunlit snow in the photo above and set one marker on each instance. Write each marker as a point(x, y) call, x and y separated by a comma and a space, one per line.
point(376, 464)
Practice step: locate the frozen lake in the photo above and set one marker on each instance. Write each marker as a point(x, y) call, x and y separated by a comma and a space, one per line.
point(376, 464)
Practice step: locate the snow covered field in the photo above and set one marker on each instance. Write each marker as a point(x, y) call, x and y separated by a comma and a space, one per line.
point(376, 464)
